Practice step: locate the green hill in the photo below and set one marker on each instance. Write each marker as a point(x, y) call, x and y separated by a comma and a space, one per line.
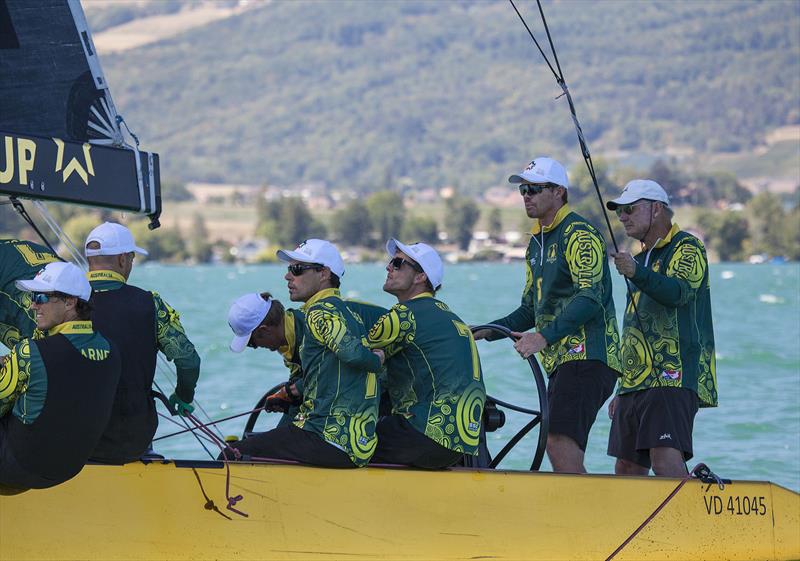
point(360, 94)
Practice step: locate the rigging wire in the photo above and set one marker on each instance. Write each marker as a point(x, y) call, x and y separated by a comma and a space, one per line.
point(75, 255)
point(559, 76)
point(20, 208)
point(210, 423)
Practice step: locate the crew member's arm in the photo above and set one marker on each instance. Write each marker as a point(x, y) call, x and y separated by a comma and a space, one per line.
point(585, 254)
point(295, 375)
point(524, 317)
point(14, 375)
point(172, 341)
point(393, 330)
point(684, 276)
point(328, 327)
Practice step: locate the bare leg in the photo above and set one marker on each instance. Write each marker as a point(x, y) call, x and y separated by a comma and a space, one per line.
point(564, 453)
point(667, 462)
point(626, 467)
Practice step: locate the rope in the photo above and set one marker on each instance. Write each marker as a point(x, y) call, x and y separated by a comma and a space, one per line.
point(224, 448)
point(176, 423)
point(699, 470)
point(210, 423)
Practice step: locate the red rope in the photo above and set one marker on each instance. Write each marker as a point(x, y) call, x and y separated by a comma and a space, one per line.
point(224, 448)
point(655, 512)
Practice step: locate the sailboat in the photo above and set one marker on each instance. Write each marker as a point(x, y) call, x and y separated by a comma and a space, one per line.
point(63, 140)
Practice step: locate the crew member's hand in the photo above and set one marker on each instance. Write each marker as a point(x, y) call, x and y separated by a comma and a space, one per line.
point(612, 407)
point(528, 344)
point(481, 334)
point(280, 401)
point(179, 406)
point(625, 263)
point(380, 354)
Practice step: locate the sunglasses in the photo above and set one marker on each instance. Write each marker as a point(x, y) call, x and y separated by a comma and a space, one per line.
point(627, 209)
point(531, 189)
point(44, 297)
point(397, 262)
point(299, 268)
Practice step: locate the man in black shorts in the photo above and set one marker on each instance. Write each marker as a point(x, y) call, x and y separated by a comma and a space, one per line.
point(567, 298)
point(668, 351)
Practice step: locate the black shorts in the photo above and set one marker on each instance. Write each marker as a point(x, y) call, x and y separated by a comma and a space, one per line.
point(400, 443)
point(289, 442)
point(654, 418)
point(575, 393)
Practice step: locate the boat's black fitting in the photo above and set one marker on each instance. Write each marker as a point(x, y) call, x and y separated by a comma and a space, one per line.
point(704, 474)
point(493, 418)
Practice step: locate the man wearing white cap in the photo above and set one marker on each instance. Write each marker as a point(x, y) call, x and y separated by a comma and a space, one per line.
point(433, 369)
point(669, 366)
point(56, 392)
point(335, 426)
point(141, 324)
point(19, 259)
point(568, 299)
point(260, 321)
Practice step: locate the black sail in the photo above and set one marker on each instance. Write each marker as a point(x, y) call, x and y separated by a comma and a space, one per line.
point(60, 138)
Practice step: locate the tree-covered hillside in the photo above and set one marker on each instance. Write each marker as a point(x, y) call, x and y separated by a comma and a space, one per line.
point(360, 94)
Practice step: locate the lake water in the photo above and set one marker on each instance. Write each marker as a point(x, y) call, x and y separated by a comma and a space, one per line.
point(753, 434)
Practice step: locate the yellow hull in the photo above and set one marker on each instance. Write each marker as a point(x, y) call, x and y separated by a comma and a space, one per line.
point(161, 511)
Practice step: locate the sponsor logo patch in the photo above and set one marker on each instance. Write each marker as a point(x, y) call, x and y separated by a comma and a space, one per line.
point(671, 374)
point(577, 349)
point(665, 436)
point(552, 250)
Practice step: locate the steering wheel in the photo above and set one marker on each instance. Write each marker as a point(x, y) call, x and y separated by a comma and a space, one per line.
point(540, 417)
point(258, 409)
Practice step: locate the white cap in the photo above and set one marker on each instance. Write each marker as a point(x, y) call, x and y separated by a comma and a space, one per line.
point(245, 314)
point(114, 239)
point(424, 255)
point(639, 189)
point(59, 277)
point(316, 251)
point(542, 170)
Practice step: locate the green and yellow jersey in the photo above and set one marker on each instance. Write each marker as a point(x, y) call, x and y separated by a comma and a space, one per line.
point(434, 372)
point(19, 260)
point(568, 295)
point(674, 345)
point(23, 377)
point(293, 322)
point(341, 389)
point(171, 337)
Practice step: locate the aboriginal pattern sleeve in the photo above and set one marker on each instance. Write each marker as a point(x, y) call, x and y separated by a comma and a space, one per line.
point(584, 254)
point(682, 279)
point(14, 375)
point(393, 330)
point(327, 326)
point(176, 346)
